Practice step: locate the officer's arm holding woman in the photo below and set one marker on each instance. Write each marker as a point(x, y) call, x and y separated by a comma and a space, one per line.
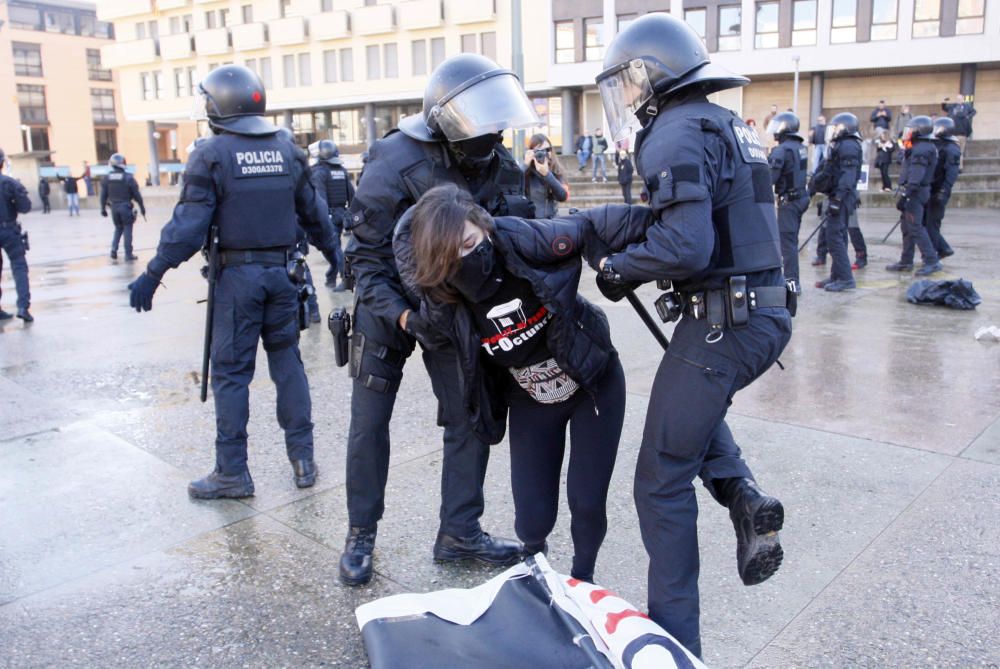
point(505, 291)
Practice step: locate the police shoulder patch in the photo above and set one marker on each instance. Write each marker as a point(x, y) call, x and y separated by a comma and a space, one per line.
point(562, 245)
point(750, 148)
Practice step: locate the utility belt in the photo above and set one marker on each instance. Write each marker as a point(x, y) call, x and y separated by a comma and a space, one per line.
point(278, 257)
point(727, 307)
point(10, 224)
point(294, 262)
point(791, 196)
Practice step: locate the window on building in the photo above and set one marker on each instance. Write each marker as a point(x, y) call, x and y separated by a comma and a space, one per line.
point(696, 19)
point(489, 45)
point(35, 138)
point(565, 42)
point(326, 5)
point(418, 57)
point(246, 11)
point(180, 82)
point(210, 20)
point(288, 68)
point(845, 21)
point(926, 18)
point(102, 106)
point(104, 30)
point(187, 21)
point(174, 25)
point(251, 64)
point(346, 127)
point(730, 27)
point(625, 19)
point(390, 57)
point(266, 77)
point(766, 26)
point(305, 69)
point(159, 85)
point(347, 65)
point(223, 18)
point(57, 21)
point(27, 18)
point(286, 8)
point(970, 17)
point(31, 101)
point(28, 59)
point(105, 142)
point(803, 22)
point(437, 52)
point(593, 30)
point(95, 71)
point(468, 43)
point(330, 66)
point(373, 62)
point(146, 82)
point(883, 20)
point(140, 31)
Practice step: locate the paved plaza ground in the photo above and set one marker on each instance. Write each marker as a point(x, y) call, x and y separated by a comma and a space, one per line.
point(881, 436)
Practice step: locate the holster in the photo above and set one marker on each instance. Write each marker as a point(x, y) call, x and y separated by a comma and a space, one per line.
point(339, 323)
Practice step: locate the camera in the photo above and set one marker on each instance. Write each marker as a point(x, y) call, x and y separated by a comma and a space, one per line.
point(541, 155)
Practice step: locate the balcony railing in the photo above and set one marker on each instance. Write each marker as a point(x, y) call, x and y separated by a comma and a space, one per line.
point(175, 47)
point(330, 25)
point(212, 41)
point(419, 14)
point(471, 11)
point(249, 36)
point(135, 52)
point(373, 20)
point(288, 31)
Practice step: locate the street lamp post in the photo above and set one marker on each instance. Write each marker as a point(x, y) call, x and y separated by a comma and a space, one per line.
point(517, 56)
point(795, 93)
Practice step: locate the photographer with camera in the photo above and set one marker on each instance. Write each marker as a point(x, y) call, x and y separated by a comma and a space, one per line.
point(544, 183)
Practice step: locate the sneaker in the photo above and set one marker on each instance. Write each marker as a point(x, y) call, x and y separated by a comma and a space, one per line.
point(900, 267)
point(594, 180)
point(840, 286)
point(860, 262)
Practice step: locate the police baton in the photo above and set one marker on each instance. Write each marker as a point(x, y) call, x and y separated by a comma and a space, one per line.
point(647, 319)
point(893, 228)
point(811, 235)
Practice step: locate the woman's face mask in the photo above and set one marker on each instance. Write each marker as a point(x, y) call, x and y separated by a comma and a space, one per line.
point(479, 275)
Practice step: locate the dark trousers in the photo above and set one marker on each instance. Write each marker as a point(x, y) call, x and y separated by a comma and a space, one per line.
point(933, 217)
point(627, 193)
point(463, 466)
point(537, 448)
point(123, 216)
point(255, 302)
point(336, 256)
point(834, 236)
point(854, 234)
point(789, 223)
point(13, 246)
point(46, 206)
point(915, 235)
point(686, 436)
point(886, 179)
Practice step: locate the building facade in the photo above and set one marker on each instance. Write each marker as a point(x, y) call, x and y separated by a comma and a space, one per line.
point(64, 106)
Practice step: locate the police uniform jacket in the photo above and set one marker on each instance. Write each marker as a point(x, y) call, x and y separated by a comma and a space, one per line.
point(334, 184)
point(14, 199)
point(399, 170)
point(788, 161)
point(838, 173)
point(710, 200)
point(252, 188)
point(546, 253)
point(946, 169)
point(915, 178)
point(118, 187)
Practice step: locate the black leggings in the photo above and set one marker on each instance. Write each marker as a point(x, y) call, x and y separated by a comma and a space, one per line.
point(537, 444)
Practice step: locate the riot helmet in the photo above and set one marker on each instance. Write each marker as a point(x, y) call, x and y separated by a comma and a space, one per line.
point(844, 124)
point(3, 157)
point(232, 98)
point(944, 128)
point(328, 151)
point(919, 127)
point(652, 59)
point(785, 124)
point(469, 97)
point(116, 160)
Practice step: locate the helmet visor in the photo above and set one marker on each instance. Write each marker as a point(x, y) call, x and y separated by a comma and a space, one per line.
point(486, 108)
point(624, 90)
point(199, 104)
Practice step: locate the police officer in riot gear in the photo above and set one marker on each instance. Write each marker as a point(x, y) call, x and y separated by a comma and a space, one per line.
point(919, 160)
point(119, 189)
point(837, 178)
point(14, 200)
point(711, 230)
point(331, 178)
point(946, 173)
point(245, 186)
point(469, 100)
point(789, 164)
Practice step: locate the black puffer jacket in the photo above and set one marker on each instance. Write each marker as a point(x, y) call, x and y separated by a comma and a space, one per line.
point(546, 253)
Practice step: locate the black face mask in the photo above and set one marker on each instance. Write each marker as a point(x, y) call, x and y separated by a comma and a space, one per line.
point(475, 152)
point(479, 275)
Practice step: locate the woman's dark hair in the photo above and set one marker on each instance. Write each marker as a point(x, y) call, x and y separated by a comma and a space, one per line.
point(437, 229)
point(554, 164)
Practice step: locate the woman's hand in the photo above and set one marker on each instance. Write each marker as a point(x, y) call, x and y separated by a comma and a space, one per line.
point(402, 320)
point(542, 168)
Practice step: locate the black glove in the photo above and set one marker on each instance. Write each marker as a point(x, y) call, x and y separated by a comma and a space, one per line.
point(901, 203)
point(141, 297)
point(608, 272)
point(615, 291)
point(419, 327)
point(833, 206)
point(104, 213)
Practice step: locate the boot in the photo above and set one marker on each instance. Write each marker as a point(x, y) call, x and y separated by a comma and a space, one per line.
point(945, 253)
point(4, 315)
point(340, 287)
point(314, 315)
point(356, 560)
point(24, 315)
point(860, 261)
point(757, 518)
point(840, 286)
point(217, 485)
point(304, 473)
point(900, 267)
point(818, 261)
point(822, 283)
point(479, 546)
point(131, 258)
point(931, 268)
point(114, 255)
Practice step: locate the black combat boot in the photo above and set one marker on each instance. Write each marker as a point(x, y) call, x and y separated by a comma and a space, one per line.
point(24, 315)
point(4, 315)
point(305, 473)
point(217, 485)
point(757, 518)
point(479, 546)
point(900, 267)
point(356, 560)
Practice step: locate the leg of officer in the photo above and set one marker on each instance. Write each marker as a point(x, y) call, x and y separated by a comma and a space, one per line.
point(789, 220)
point(129, 255)
point(10, 240)
point(821, 246)
point(239, 312)
point(836, 240)
point(116, 238)
point(923, 241)
point(933, 216)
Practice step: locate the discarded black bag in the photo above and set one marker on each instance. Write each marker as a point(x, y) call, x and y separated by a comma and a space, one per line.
point(957, 294)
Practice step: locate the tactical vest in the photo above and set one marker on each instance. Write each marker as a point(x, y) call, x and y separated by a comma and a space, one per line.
point(256, 190)
point(949, 156)
point(335, 181)
point(793, 174)
point(924, 152)
point(116, 183)
point(743, 215)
